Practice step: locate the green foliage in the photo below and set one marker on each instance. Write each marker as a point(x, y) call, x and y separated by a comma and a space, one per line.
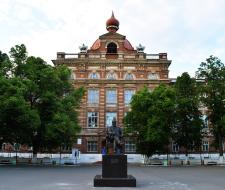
point(213, 96)
point(151, 119)
point(166, 113)
point(16, 116)
point(188, 124)
point(5, 65)
point(38, 102)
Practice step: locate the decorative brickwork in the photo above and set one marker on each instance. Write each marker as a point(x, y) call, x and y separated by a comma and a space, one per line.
point(120, 69)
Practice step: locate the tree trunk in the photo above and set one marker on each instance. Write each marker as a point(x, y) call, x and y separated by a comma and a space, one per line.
point(60, 154)
point(202, 160)
point(168, 151)
point(187, 162)
point(16, 154)
point(35, 148)
point(220, 149)
point(220, 145)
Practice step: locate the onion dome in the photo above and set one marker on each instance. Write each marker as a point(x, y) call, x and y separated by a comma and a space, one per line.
point(112, 24)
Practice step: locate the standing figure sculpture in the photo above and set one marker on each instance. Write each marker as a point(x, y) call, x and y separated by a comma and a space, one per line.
point(114, 138)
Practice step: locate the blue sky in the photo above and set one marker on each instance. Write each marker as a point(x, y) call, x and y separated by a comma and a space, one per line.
point(188, 30)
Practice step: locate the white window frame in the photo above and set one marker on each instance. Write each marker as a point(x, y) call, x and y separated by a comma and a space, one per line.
point(153, 76)
point(92, 147)
point(111, 76)
point(108, 121)
point(127, 97)
point(94, 75)
point(129, 76)
point(205, 146)
point(111, 97)
point(72, 76)
point(130, 146)
point(175, 147)
point(94, 119)
point(205, 121)
point(93, 96)
point(4, 146)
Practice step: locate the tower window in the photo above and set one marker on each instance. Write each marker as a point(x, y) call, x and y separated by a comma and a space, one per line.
point(111, 48)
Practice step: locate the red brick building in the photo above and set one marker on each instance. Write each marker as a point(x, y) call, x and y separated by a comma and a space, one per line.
point(111, 71)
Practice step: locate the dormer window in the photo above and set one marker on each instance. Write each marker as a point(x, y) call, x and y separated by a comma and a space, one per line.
point(112, 48)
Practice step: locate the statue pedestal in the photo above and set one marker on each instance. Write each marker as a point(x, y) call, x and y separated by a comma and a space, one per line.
point(114, 173)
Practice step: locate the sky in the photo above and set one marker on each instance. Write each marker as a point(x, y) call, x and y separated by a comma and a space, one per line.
point(188, 30)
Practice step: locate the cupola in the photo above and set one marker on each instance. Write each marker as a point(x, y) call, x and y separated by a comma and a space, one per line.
point(112, 24)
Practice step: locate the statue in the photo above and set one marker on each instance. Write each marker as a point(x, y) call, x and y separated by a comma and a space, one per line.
point(140, 48)
point(83, 48)
point(114, 138)
point(114, 167)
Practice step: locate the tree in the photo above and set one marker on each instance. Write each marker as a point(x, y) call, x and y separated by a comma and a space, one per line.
point(17, 121)
point(188, 122)
point(63, 128)
point(213, 96)
point(5, 65)
point(47, 92)
point(152, 118)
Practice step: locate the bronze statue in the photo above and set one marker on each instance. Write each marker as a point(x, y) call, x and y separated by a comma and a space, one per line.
point(114, 139)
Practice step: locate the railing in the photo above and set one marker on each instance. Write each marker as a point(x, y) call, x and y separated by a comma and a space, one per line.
point(63, 55)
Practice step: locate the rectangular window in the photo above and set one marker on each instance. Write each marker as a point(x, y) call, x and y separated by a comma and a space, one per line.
point(93, 96)
point(128, 96)
point(92, 146)
point(205, 121)
point(205, 146)
point(109, 118)
point(92, 119)
point(175, 147)
point(130, 146)
point(3, 146)
point(111, 97)
point(66, 148)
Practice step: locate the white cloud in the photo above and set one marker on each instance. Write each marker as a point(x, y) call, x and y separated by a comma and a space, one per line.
point(188, 30)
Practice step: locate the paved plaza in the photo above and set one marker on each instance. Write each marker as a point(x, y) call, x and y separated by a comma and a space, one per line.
point(81, 177)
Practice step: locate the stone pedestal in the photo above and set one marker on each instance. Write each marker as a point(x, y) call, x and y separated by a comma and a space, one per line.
point(114, 173)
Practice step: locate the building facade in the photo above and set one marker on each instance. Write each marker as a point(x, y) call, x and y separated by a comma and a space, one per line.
point(111, 71)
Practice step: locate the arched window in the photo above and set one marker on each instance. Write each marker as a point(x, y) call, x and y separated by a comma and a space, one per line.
point(153, 76)
point(129, 76)
point(111, 76)
point(3, 146)
point(16, 146)
point(112, 48)
point(72, 76)
point(94, 75)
